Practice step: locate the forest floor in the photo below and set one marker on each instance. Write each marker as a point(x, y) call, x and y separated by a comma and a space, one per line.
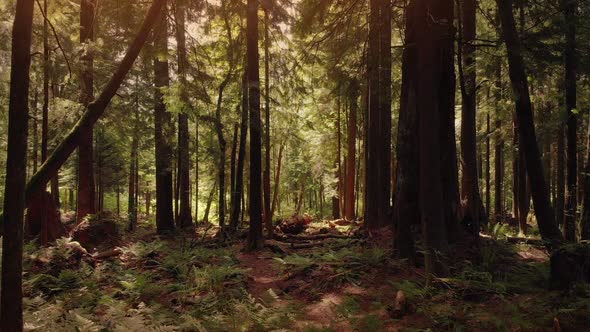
point(327, 282)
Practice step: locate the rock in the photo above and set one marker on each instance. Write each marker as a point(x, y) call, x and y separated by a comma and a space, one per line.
point(43, 219)
point(96, 232)
point(570, 264)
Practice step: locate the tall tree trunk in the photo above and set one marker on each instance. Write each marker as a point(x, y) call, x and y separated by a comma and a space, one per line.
point(571, 206)
point(448, 151)
point(336, 198)
point(488, 164)
point(35, 132)
point(498, 148)
point(585, 220)
point(232, 162)
point(469, 179)
point(275, 195)
point(46, 64)
point(539, 189)
point(222, 147)
point(255, 238)
point(131, 203)
point(406, 210)
point(86, 193)
point(11, 314)
point(560, 175)
point(237, 194)
point(197, 170)
point(95, 109)
point(184, 212)
point(163, 131)
point(432, 43)
point(349, 198)
point(267, 165)
point(378, 205)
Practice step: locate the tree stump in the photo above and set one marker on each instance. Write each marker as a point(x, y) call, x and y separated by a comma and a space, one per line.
point(43, 219)
point(96, 232)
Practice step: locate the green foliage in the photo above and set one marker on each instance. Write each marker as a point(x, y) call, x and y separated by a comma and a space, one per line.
point(216, 278)
point(50, 285)
point(342, 265)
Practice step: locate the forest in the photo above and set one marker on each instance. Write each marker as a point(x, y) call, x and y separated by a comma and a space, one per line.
point(294, 165)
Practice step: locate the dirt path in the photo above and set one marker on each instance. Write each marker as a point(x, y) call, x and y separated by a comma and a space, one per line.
point(263, 274)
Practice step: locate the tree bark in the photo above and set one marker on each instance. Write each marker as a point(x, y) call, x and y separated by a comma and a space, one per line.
point(571, 191)
point(406, 210)
point(184, 213)
point(488, 164)
point(196, 170)
point(275, 195)
point(239, 185)
point(35, 133)
point(163, 130)
point(46, 64)
point(209, 202)
point(349, 199)
point(255, 238)
point(539, 189)
point(267, 165)
point(336, 198)
point(469, 179)
point(11, 315)
point(131, 203)
point(432, 43)
point(585, 221)
point(86, 189)
point(378, 155)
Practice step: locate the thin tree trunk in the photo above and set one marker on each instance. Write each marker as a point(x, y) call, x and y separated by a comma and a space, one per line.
point(255, 238)
point(46, 64)
point(209, 202)
point(571, 191)
point(267, 165)
point(488, 163)
point(11, 315)
point(349, 198)
point(560, 174)
point(237, 194)
point(131, 204)
point(184, 210)
point(467, 66)
point(336, 198)
point(35, 133)
point(86, 191)
point(275, 196)
point(540, 192)
point(585, 220)
point(196, 170)
point(163, 131)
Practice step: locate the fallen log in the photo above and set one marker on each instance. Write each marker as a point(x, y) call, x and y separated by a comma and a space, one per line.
point(107, 254)
point(312, 237)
